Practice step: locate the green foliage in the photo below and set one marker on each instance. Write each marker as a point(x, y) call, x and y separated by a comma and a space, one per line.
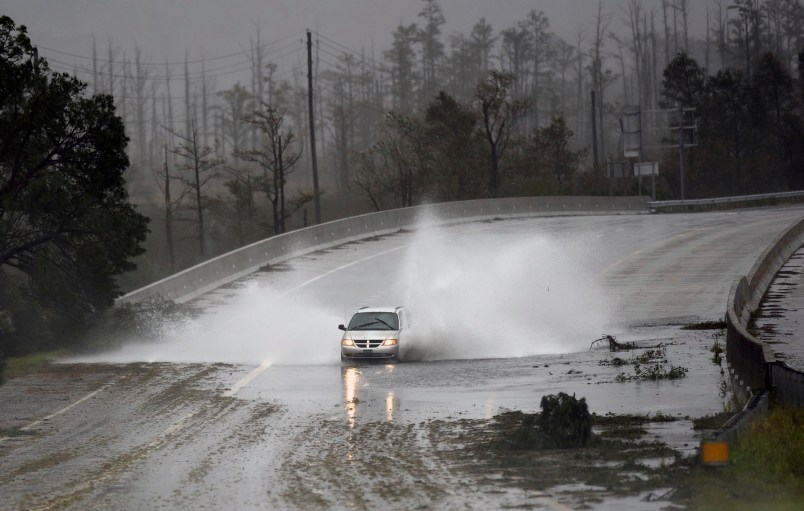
point(566, 420)
point(717, 351)
point(773, 447)
point(453, 144)
point(67, 225)
point(749, 126)
point(27, 364)
point(683, 82)
point(25, 325)
point(455, 152)
point(766, 469)
point(550, 147)
point(651, 365)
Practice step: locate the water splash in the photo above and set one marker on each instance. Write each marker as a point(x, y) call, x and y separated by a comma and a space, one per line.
point(473, 292)
point(490, 295)
point(259, 325)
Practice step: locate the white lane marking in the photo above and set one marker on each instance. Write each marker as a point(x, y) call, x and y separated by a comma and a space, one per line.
point(67, 408)
point(245, 380)
point(342, 268)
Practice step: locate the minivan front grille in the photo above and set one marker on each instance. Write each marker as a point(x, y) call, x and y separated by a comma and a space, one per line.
point(368, 343)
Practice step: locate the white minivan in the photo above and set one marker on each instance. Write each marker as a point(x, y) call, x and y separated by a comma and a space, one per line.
point(374, 333)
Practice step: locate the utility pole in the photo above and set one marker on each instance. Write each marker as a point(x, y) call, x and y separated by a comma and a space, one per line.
point(312, 124)
point(681, 147)
point(594, 131)
point(281, 191)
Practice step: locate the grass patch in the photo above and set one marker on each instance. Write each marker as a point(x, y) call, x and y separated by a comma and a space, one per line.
point(15, 432)
point(714, 421)
point(33, 363)
point(766, 469)
point(773, 447)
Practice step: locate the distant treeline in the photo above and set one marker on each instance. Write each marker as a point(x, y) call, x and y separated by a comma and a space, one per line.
point(404, 125)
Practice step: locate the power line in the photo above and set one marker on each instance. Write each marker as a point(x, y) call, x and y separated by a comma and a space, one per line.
point(178, 77)
point(197, 61)
point(194, 74)
point(349, 50)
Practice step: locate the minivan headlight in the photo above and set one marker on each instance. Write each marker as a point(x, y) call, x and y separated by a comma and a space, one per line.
point(390, 342)
point(347, 342)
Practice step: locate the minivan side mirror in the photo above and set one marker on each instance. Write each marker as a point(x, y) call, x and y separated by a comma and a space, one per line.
point(341, 327)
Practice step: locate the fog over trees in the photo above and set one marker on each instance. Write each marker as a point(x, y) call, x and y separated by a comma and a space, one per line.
point(375, 111)
point(220, 151)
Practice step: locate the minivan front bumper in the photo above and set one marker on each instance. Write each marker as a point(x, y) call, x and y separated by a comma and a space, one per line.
point(374, 353)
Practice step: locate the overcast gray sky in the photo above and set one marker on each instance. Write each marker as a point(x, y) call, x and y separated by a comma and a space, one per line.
point(164, 28)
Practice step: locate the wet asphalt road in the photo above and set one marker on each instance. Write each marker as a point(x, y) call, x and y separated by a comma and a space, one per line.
point(266, 423)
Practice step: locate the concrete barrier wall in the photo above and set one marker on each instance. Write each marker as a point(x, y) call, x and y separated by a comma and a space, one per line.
point(764, 199)
point(751, 361)
point(223, 269)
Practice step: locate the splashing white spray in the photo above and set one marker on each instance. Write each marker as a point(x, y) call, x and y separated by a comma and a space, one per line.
point(473, 293)
point(490, 296)
point(258, 326)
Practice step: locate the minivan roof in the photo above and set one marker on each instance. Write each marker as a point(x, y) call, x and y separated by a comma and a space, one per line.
point(379, 309)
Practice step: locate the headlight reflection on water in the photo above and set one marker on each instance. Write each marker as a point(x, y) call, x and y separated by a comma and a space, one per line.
point(351, 376)
point(351, 380)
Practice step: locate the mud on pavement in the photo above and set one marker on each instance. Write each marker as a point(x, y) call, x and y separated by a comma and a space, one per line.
point(166, 435)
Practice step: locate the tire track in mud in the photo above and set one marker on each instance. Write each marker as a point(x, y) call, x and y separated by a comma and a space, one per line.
point(391, 466)
point(365, 466)
point(89, 447)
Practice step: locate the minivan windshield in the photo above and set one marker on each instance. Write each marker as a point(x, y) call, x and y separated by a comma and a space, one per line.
point(374, 321)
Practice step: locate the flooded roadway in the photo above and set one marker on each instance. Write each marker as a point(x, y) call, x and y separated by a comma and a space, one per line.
point(234, 418)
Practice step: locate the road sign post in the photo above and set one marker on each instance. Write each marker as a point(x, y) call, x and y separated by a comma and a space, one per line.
point(651, 169)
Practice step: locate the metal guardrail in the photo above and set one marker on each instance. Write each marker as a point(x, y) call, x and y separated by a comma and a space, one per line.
point(751, 360)
point(752, 363)
point(715, 448)
point(685, 205)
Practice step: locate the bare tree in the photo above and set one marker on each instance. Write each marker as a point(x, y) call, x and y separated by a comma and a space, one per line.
point(666, 5)
point(499, 113)
point(202, 162)
point(139, 80)
point(482, 42)
point(237, 102)
point(277, 153)
point(683, 8)
point(516, 47)
point(171, 203)
point(540, 53)
point(242, 185)
point(111, 53)
point(402, 67)
point(342, 114)
point(432, 49)
point(579, 77)
point(602, 22)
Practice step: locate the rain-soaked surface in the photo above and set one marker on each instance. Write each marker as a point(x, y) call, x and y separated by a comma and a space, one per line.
point(248, 407)
point(780, 316)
